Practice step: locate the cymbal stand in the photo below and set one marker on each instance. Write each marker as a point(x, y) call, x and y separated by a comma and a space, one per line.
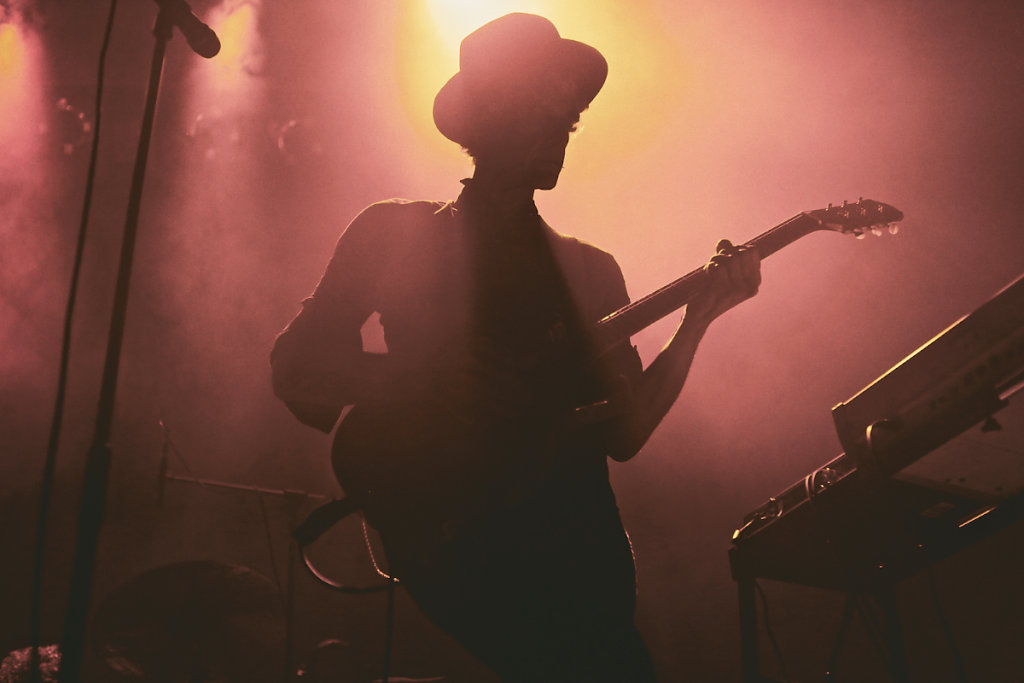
point(293, 498)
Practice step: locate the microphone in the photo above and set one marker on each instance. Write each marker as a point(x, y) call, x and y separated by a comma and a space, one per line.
point(199, 36)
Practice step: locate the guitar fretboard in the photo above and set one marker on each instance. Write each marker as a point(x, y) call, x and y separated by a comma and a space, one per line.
point(637, 315)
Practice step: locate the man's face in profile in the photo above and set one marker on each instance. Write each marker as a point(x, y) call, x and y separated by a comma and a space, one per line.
point(543, 150)
point(530, 145)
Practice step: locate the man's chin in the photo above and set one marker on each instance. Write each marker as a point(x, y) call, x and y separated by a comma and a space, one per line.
point(547, 182)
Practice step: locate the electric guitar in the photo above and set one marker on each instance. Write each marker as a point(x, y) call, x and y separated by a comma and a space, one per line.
point(403, 467)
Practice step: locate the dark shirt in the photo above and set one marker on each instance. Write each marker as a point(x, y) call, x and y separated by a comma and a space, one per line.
point(494, 311)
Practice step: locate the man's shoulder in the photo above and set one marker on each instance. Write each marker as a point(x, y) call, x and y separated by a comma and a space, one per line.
point(400, 215)
point(581, 252)
point(394, 220)
point(402, 209)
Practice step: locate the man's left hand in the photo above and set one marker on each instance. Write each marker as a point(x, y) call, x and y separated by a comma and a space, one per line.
point(733, 275)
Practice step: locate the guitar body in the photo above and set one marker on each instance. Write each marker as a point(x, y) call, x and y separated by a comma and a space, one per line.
point(408, 465)
point(422, 466)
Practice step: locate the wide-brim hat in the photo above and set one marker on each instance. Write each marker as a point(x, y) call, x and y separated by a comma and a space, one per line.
point(513, 59)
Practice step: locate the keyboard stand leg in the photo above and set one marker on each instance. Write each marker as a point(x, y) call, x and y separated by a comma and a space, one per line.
point(748, 631)
point(844, 626)
point(898, 668)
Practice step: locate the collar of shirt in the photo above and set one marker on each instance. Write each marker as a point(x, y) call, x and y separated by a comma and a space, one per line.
point(478, 205)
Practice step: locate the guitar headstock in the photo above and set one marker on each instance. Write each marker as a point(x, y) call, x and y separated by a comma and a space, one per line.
point(858, 218)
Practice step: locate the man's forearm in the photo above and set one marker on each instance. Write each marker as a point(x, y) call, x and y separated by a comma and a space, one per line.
point(659, 386)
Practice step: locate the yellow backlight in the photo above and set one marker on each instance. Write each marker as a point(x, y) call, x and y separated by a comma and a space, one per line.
point(11, 56)
point(647, 75)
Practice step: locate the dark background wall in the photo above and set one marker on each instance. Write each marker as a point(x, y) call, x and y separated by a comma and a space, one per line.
point(718, 119)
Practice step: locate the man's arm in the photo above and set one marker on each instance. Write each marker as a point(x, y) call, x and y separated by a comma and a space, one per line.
point(318, 365)
point(735, 275)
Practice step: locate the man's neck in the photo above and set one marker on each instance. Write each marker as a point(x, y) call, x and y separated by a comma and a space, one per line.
point(506, 197)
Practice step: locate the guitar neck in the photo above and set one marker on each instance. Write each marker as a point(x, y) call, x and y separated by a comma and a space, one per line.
point(635, 316)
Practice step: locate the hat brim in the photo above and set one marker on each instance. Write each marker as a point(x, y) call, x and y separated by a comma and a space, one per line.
point(571, 61)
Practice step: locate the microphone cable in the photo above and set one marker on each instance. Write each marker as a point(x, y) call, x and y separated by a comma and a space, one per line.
point(49, 467)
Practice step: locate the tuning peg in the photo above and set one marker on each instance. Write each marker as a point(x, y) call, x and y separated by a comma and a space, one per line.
point(894, 228)
point(876, 231)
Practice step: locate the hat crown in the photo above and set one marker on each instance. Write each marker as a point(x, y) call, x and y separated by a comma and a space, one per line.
point(516, 43)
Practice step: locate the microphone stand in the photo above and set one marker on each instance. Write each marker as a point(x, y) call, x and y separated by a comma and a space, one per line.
point(97, 464)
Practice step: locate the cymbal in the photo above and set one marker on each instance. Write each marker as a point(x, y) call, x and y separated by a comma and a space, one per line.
point(194, 622)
